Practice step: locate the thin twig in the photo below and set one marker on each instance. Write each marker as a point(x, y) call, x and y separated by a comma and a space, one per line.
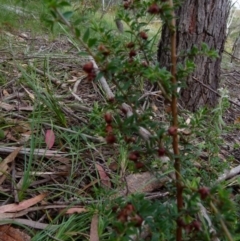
point(231, 55)
point(224, 227)
point(206, 86)
point(174, 102)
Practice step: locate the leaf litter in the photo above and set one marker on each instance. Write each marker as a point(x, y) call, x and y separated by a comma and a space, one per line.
point(18, 103)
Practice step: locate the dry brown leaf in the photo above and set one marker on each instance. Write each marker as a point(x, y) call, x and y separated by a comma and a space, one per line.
point(21, 126)
point(31, 223)
point(8, 135)
point(6, 106)
point(94, 229)
point(144, 182)
point(5, 93)
point(62, 159)
point(24, 138)
point(8, 233)
point(73, 80)
point(237, 120)
point(75, 210)
point(26, 108)
point(8, 159)
point(113, 166)
point(37, 152)
point(49, 138)
point(105, 180)
point(22, 205)
point(13, 215)
point(184, 131)
point(31, 96)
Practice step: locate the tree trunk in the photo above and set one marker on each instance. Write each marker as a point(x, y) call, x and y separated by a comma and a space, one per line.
point(198, 21)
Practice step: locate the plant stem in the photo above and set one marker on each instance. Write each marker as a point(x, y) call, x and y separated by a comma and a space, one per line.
point(224, 227)
point(177, 163)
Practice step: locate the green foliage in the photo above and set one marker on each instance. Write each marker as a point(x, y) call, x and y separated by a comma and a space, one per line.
point(121, 62)
point(127, 62)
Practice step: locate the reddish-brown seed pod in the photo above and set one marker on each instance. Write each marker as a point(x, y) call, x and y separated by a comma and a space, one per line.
point(115, 208)
point(127, 139)
point(136, 153)
point(111, 100)
point(130, 60)
point(154, 9)
point(109, 128)
point(108, 118)
point(139, 165)
point(130, 45)
point(196, 225)
point(188, 228)
point(145, 64)
point(161, 151)
point(126, 5)
point(181, 223)
point(122, 217)
point(130, 139)
point(132, 53)
point(133, 157)
point(110, 138)
point(172, 130)
point(103, 50)
point(137, 220)
point(129, 209)
point(204, 192)
point(91, 76)
point(124, 111)
point(88, 67)
point(143, 35)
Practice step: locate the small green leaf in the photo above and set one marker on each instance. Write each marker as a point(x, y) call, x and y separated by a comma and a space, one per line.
point(99, 76)
point(77, 32)
point(64, 4)
point(78, 21)
point(2, 136)
point(204, 47)
point(92, 42)
point(86, 35)
point(53, 13)
point(83, 53)
point(68, 14)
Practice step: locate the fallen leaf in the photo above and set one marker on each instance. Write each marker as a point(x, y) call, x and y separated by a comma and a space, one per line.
point(73, 80)
point(49, 138)
point(33, 224)
point(5, 93)
point(23, 35)
point(22, 205)
point(8, 159)
point(113, 166)
point(144, 182)
point(4, 216)
point(6, 106)
point(94, 229)
point(105, 180)
point(8, 135)
point(31, 96)
point(8, 233)
point(75, 210)
point(237, 120)
point(26, 108)
point(20, 126)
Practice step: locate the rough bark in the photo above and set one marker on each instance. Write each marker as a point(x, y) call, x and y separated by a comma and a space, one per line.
point(198, 21)
point(236, 48)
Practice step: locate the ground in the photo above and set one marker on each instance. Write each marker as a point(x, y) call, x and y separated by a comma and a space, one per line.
point(44, 90)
